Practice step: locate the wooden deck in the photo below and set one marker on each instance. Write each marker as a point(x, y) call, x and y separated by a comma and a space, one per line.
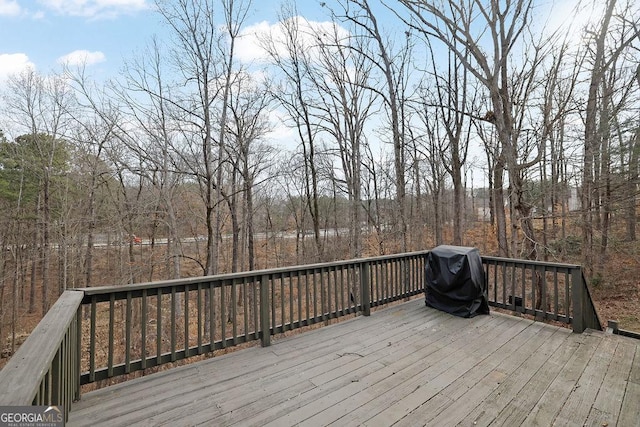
point(406, 365)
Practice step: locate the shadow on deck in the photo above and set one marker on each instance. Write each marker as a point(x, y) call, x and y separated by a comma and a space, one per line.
point(404, 365)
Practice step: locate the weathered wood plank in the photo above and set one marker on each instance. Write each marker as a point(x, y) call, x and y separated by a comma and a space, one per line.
point(552, 400)
point(523, 403)
point(398, 366)
point(421, 405)
point(21, 376)
point(346, 329)
point(606, 408)
point(631, 401)
point(407, 364)
point(404, 353)
point(174, 396)
point(474, 396)
point(366, 404)
point(263, 402)
point(576, 408)
point(344, 366)
point(485, 369)
point(533, 357)
point(630, 406)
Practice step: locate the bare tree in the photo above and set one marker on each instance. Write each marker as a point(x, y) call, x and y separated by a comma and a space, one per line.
point(249, 104)
point(455, 104)
point(39, 106)
point(146, 98)
point(604, 57)
point(344, 107)
point(463, 28)
point(204, 53)
point(294, 96)
point(95, 126)
point(557, 102)
point(293, 182)
point(633, 171)
point(394, 67)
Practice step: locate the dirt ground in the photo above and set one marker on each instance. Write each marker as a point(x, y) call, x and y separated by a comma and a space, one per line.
point(619, 300)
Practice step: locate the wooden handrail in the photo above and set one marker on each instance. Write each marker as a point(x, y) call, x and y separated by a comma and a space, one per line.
point(47, 367)
point(545, 290)
point(100, 290)
point(281, 299)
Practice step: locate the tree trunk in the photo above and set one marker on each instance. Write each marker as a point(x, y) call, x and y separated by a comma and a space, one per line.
point(248, 194)
point(498, 208)
point(88, 261)
point(437, 217)
point(458, 204)
point(632, 184)
point(45, 256)
point(588, 194)
point(232, 200)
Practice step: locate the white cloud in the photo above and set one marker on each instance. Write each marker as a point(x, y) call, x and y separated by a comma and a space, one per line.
point(9, 8)
point(281, 134)
point(571, 17)
point(82, 57)
point(250, 41)
point(13, 63)
point(249, 48)
point(95, 9)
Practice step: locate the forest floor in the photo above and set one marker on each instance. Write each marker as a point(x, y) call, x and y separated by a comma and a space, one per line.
point(616, 292)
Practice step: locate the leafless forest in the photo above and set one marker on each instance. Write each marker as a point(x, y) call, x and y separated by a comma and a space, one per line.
point(408, 124)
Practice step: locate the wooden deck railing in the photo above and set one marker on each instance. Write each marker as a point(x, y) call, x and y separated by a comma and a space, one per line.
point(98, 333)
point(46, 368)
point(548, 291)
point(136, 327)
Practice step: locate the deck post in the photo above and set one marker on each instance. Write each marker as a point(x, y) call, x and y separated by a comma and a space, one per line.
point(577, 295)
point(364, 288)
point(264, 311)
point(77, 365)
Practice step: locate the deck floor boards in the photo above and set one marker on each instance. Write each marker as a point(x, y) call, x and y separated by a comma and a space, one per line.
point(631, 402)
point(404, 365)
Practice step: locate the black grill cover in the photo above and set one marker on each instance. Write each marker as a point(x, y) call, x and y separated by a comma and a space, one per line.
point(455, 281)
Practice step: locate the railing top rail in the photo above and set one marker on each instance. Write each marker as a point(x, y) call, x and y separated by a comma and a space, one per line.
point(100, 290)
point(19, 384)
point(530, 262)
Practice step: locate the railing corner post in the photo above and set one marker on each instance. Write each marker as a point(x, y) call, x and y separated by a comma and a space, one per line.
point(577, 295)
point(264, 311)
point(365, 289)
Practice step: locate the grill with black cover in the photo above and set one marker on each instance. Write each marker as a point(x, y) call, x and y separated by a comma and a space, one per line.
point(455, 281)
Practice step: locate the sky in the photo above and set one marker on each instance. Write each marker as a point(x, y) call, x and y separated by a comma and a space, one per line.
point(45, 33)
point(103, 34)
